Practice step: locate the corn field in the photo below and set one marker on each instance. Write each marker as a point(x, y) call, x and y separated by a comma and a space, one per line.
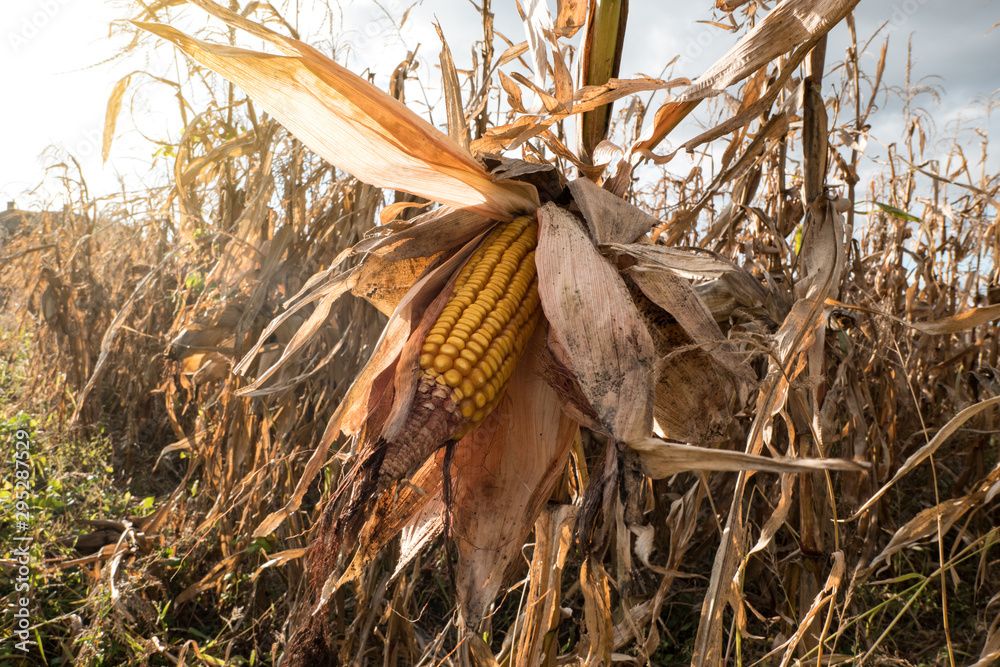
point(538, 386)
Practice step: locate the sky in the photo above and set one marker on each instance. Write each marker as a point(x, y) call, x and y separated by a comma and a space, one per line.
point(59, 68)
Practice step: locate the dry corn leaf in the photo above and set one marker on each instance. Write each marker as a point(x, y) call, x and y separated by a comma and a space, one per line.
point(562, 79)
point(278, 559)
point(676, 296)
point(610, 219)
point(789, 25)
point(594, 319)
point(970, 319)
point(932, 521)
point(826, 597)
point(427, 234)
point(537, 23)
point(571, 15)
point(458, 129)
point(388, 214)
point(666, 118)
point(794, 23)
point(662, 459)
point(536, 643)
point(305, 332)
point(927, 450)
point(991, 648)
point(596, 612)
point(350, 122)
point(111, 116)
point(342, 281)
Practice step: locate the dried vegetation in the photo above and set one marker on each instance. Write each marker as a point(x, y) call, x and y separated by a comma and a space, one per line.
point(771, 305)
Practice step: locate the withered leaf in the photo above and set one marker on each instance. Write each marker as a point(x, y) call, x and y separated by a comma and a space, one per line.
point(589, 308)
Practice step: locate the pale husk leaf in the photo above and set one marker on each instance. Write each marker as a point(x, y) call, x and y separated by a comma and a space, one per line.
point(676, 296)
point(592, 314)
point(692, 399)
point(429, 233)
point(502, 475)
point(351, 123)
point(611, 219)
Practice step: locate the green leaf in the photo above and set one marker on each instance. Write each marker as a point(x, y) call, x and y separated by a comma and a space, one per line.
point(898, 213)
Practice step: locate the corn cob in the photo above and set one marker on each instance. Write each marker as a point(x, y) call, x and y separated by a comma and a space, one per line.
point(472, 349)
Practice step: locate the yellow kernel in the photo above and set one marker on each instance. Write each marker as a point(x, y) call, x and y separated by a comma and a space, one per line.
point(459, 334)
point(479, 398)
point(467, 407)
point(467, 388)
point(468, 324)
point(434, 339)
point(491, 327)
point(475, 348)
point(426, 361)
point(469, 355)
point(491, 391)
point(462, 366)
point(495, 355)
point(478, 415)
point(456, 342)
point(477, 309)
point(478, 377)
point(480, 339)
point(453, 378)
point(449, 350)
point(492, 363)
point(442, 363)
point(429, 348)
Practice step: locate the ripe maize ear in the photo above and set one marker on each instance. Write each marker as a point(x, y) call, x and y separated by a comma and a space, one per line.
point(472, 349)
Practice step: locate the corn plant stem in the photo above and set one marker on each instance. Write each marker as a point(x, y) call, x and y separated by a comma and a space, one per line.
point(944, 580)
point(605, 35)
point(940, 536)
